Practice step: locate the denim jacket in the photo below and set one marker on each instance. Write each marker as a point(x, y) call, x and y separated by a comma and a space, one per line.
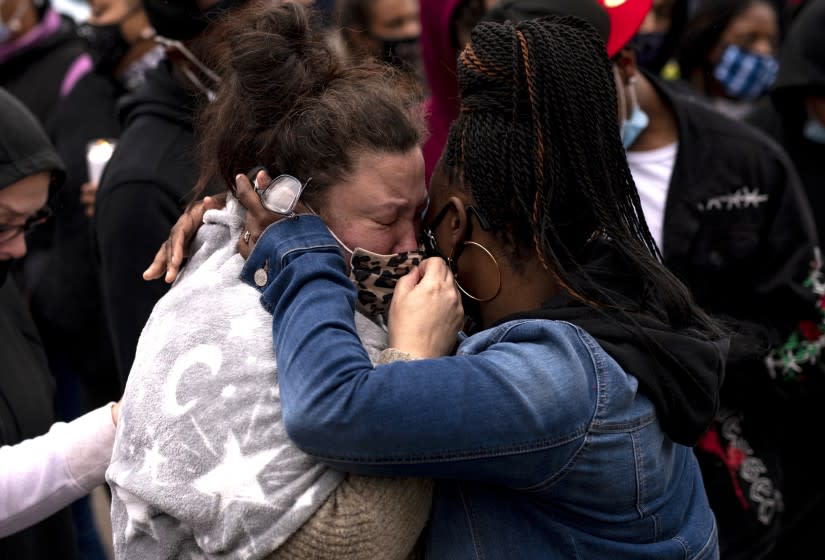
point(541, 445)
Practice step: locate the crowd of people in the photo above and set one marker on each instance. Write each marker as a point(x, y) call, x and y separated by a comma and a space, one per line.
point(399, 279)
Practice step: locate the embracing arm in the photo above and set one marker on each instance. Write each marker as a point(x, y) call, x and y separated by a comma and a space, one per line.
point(42, 475)
point(448, 417)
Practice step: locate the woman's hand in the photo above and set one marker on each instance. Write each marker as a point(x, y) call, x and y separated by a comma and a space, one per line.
point(426, 312)
point(258, 218)
point(170, 255)
point(88, 194)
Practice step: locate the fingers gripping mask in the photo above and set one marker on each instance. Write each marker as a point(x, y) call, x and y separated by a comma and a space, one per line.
point(375, 277)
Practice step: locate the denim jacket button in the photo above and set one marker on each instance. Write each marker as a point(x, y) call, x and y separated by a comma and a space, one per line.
point(261, 277)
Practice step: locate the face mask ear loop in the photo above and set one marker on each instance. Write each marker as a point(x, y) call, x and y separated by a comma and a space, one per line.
point(622, 97)
point(210, 95)
point(173, 44)
point(634, 100)
point(341, 243)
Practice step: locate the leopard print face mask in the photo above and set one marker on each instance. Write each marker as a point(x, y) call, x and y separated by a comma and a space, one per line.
point(375, 277)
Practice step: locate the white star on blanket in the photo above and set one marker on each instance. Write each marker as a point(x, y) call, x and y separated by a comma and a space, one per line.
point(236, 477)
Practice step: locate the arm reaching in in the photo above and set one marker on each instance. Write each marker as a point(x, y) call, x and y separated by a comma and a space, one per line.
point(42, 475)
point(170, 256)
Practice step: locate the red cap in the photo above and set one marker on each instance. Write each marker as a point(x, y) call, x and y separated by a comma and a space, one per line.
point(626, 17)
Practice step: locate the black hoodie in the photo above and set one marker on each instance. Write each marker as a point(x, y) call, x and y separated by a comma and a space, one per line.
point(681, 371)
point(142, 193)
point(26, 385)
point(783, 114)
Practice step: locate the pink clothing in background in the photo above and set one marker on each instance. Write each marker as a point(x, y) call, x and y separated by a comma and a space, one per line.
point(438, 55)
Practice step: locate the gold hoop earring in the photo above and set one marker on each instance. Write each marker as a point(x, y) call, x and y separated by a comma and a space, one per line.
point(453, 264)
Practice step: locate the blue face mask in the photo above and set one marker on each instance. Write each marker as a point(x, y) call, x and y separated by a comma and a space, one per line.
point(632, 127)
point(814, 131)
point(745, 75)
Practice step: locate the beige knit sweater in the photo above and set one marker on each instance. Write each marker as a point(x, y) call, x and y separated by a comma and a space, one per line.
point(366, 518)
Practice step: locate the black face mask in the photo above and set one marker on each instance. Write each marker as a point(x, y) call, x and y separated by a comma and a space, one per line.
point(402, 53)
point(4, 271)
point(181, 19)
point(648, 47)
point(107, 46)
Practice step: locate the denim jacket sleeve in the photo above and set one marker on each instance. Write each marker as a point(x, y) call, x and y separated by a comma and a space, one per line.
point(465, 416)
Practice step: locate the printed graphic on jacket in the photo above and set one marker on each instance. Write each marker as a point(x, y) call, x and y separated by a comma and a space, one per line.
point(803, 347)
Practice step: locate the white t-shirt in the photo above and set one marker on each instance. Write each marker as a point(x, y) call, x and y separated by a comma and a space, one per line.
point(652, 170)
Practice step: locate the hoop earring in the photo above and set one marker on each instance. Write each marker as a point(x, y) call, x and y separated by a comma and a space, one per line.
point(453, 264)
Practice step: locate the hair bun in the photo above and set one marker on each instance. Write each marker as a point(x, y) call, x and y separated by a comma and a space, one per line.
point(486, 68)
point(280, 51)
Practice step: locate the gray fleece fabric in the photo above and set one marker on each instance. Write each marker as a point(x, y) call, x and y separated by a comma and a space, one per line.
point(202, 466)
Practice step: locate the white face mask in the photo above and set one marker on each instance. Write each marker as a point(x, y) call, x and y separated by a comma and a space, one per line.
point(12, 26)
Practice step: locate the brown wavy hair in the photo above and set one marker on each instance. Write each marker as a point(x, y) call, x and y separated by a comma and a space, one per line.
point(290, 102)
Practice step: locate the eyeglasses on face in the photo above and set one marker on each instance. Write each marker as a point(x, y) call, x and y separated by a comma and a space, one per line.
point(430, 244)
point(9, 232)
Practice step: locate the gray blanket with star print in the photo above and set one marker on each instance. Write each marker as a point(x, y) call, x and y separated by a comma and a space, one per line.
point(202, 466)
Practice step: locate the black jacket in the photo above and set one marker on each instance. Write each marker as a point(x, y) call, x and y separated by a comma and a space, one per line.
point(26, 386)
point(26, 411)
point(783, 114)
point(60, 274)
point(144, 189)
point(35, 74)
point(66, 301)
point(739, 232)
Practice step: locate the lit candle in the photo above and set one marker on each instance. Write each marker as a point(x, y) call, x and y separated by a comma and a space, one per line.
point(98, 154)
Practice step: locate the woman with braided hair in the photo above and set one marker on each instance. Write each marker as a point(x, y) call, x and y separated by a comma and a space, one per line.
point(562, 427)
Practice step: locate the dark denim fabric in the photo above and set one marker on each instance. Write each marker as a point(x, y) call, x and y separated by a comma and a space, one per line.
point(540, 442)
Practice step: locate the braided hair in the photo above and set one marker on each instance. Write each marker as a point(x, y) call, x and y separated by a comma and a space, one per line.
point(537, 145)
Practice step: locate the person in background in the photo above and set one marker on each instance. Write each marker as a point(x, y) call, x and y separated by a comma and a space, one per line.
point(120, 42)
point(30, 172)
point(47, 66)
point(153, 170)
point(794, 115)
point(794, 112)
point(659, 36)
point(41, 56)
point(445, 29)
point(388, 30)
point(726, 209)
point(39, 474)
point(728, 53)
